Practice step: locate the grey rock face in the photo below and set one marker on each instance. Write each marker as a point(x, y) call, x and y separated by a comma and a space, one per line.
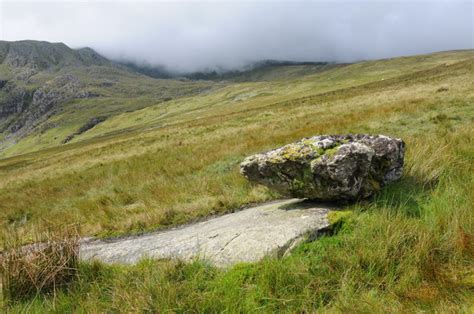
point(16, 100)
point(329, 167)
point(37, 105)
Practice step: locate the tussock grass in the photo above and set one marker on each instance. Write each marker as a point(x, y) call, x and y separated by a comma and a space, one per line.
point(409, 249)
point(45, 266)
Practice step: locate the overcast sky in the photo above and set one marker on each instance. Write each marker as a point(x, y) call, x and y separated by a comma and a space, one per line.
point(194, 35)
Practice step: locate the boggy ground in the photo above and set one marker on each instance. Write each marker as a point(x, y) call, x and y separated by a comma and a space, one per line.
point(408, 249)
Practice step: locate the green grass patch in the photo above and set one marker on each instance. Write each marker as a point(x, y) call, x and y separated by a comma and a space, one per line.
point(408, 249)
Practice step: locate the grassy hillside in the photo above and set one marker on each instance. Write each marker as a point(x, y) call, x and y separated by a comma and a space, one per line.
point(117, 92)
point(410, 248)
point(50, 92)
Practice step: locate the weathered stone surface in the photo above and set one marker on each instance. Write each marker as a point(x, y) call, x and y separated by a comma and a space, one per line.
point(329, 167)
point(244, 236)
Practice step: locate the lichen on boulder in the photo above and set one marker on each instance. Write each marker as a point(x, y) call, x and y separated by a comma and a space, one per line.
point(329, 167)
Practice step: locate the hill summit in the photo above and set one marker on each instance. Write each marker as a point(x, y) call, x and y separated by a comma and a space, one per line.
point(42, 55)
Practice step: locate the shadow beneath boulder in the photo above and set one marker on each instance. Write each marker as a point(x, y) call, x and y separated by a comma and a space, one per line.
point(406, 195)
point(336, 213)
point(307, 204)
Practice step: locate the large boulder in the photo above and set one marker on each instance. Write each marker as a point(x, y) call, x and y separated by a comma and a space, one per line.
point(329, 167)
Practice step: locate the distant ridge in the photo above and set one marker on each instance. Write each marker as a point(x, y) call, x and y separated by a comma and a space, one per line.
point(43, 55)
point(160, 71)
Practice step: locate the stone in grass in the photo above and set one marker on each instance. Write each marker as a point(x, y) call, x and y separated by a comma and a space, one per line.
point(329, 167)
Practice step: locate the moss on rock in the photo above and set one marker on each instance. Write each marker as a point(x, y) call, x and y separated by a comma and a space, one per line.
point(308, 168)
point(339, 216)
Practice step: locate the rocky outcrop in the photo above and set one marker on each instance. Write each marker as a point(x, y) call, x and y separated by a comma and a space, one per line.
point(86, 127)
point(329, 167)
point(16, 100)
point(38, 104)
point(35, 86)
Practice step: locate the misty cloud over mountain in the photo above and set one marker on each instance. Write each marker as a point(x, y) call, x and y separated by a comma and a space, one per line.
point(191, 36)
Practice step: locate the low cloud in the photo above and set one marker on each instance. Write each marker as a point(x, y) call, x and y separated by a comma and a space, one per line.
point(189, 36)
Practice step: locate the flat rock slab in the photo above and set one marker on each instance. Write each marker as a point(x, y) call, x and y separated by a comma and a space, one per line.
point(244, 236)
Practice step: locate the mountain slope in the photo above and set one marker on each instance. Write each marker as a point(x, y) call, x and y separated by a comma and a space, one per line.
point(51, 94)
point(409, 249)
point(39, 80)
point(210, 132)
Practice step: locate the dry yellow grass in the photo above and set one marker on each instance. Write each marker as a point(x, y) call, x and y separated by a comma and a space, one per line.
point(43, 267)
point(409, 249)
point(187, 167)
